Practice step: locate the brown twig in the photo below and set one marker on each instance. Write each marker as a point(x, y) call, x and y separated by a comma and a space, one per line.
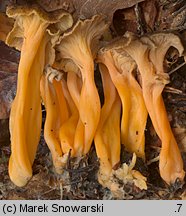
point(178, 67)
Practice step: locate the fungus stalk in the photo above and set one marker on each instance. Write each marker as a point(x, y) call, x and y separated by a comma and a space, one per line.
point(67, 130)
point(56, 114)
point(30, 37)
point(80, 46)
point(149, 53)
point(107, 137)
point(134, 114)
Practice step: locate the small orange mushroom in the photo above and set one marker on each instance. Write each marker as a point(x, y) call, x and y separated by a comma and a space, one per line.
point(149, 52)
point(121, 68)
point(29, 35)
point(79, 46)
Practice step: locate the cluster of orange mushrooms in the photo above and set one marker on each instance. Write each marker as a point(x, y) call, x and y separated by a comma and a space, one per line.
point(57, 69)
